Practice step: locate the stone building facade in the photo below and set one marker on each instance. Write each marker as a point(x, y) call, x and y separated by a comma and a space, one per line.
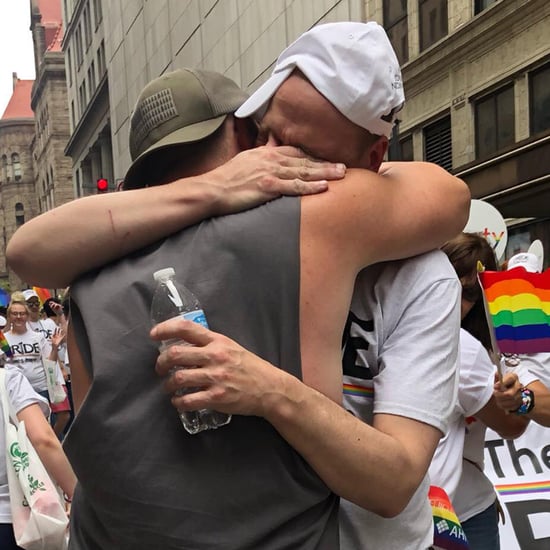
point(17, 190)
point(53, 175)
point(35, 174)
point(475, 74)
point(89, 145)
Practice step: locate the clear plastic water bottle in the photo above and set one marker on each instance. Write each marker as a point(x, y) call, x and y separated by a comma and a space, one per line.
point(172, 299)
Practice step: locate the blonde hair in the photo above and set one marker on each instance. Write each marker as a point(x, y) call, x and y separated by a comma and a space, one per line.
point(19, 299)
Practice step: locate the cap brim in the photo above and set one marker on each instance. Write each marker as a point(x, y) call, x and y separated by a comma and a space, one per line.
point(258, 101)
point(189, 134)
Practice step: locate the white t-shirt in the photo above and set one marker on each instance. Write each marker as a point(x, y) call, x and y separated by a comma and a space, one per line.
point(475, 388)
point(401, 358)
point(28, 350)
point(21, 395)
point(539, 365)
point(475, 491)
point(45, 326)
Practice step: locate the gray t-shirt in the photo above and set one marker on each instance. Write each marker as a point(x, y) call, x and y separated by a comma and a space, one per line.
point(400, 357)
point(143, 481)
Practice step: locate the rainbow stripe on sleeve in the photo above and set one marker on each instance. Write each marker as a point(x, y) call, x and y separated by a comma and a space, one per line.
point(519, 307)
point(448, 532)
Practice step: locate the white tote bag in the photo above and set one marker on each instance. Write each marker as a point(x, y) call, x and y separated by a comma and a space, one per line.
point(56, 392)
point(38, 514)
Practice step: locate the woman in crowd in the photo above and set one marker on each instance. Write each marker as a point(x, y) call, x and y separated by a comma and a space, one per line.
point(28, 350)
point(33, 410)
point(458, 461)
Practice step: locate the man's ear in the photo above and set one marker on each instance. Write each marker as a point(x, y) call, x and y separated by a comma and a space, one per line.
point(246, 132)
point(377, 152)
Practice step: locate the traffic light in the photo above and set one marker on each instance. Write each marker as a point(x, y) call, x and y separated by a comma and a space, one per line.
point(102, 185)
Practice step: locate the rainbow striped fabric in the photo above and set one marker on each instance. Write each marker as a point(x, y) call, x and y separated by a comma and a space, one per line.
point(43, 293)
point(519, 307)
point(4, 346)
point(448, 533)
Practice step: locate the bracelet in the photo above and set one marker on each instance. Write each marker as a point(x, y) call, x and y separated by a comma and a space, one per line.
point(66, 498)
point(527, 402)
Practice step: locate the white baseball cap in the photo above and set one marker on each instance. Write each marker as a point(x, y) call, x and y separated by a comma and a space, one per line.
point(528, 261)
point(351, 64)
point(30, 293)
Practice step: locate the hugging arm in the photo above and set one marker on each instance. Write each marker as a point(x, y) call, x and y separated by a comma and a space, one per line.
point(338, 446)
point(110, 226)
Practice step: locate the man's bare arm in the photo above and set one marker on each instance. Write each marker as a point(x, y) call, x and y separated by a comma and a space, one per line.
point(407, 209)
point(335, 443)
point(110, 226)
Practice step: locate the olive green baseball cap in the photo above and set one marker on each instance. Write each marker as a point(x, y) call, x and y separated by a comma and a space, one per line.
point(179, 107)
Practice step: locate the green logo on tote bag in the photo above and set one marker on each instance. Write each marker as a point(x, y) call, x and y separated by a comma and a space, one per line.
point(20, 460)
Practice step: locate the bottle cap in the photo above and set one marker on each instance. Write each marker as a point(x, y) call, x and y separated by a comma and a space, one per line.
point(164, 274)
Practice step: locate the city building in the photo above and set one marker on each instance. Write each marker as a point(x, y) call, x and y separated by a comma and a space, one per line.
point(476, 76)
point(17, 184)
point(52, 169)
point(89, 145)
point(477, 80)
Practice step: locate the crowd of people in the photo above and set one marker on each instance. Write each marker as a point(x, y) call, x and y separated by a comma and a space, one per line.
point(351, 358)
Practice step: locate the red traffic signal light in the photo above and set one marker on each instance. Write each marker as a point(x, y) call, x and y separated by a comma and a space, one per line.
point(102, 185)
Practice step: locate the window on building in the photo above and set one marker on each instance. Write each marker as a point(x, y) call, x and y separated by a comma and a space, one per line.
point(101, 66)
point(98, 15)
point(402, 149)
point(480, 5)
point(79, 48)
point(73, 116)
point(539, 107)
point(433, 22)
point(19, 214)
point(396, 25)
point(406, 146)
point(69, 66)
point(437, 143)
point(494, 122)
point(82, 98)
point(87, 26)
point(16, 167)
point(4, 169)
point(91, 78)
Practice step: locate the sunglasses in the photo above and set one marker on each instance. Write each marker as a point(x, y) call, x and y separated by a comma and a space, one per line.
point(471, 293)
point(33, 303)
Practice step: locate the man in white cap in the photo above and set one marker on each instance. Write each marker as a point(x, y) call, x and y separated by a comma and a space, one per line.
point(340, 448)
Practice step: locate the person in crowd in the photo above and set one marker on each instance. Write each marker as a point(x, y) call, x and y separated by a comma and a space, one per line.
point(28, 349)
point(387, 440)
point(33, 410)
point(45, 326)
point(531, 400)
point(457, 466)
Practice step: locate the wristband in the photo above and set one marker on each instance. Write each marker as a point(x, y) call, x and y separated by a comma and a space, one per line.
point(527, 402)
point(66, 498)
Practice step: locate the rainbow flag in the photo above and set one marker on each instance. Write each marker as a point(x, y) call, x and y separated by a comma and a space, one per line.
point(4, 298)
point(448, 532)
point(519, 308)
point(4, 346)
point(43, 293)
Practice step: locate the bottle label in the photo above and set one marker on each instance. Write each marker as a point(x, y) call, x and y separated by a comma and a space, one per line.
point(196, 316)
